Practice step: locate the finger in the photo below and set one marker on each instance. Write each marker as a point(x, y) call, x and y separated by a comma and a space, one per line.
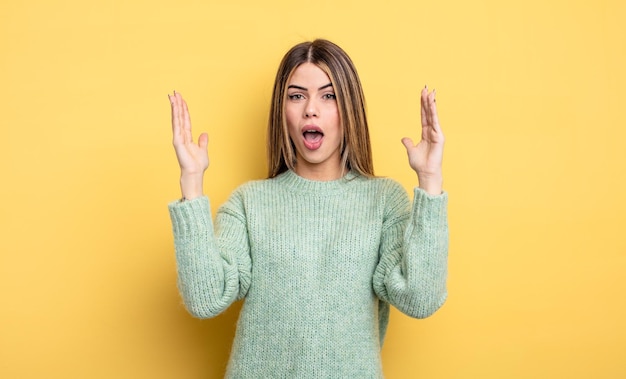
point(423, 97)
point(183, 119)
point(426, 120)
point(175, 117)
point(408, 143)
point(433, 112)
point(186, 119)
point(203, 141)
point(430, 100)
point(179, 109)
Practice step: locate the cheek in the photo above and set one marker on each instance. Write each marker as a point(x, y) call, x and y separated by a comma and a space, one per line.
point(334, 111)
point(291, 116)
point(335, 120)
point(291, 124)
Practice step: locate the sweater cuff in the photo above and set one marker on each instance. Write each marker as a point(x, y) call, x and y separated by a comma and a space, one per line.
point(430, 209)
point(191, 217)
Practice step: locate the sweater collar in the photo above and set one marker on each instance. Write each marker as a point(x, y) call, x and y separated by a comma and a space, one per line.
point(299, 184)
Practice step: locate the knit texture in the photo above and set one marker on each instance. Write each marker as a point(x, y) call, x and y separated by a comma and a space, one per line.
point(318, 264)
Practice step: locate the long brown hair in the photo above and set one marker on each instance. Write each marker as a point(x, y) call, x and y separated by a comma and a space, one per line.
point(356, 152)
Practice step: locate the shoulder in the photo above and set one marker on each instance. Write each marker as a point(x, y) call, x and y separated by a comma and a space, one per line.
point(387, 188)
point(392, 197)
point(389, 184)
point(246, 189)
point(248, 192)
point(255, 187)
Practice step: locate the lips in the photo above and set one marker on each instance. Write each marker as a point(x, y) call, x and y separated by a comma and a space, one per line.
point(312, 137)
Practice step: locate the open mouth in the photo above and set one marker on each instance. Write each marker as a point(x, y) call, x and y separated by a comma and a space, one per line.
point(313, 137)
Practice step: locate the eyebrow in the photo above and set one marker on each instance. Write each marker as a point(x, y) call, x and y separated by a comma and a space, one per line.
point(304, 89)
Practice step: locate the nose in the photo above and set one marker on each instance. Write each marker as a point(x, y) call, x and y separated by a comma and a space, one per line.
point(311, 109)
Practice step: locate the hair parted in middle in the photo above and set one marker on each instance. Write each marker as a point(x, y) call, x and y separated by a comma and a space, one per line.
point(356, 152)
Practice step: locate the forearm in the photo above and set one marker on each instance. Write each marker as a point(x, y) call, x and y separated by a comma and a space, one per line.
point(207, 282)
point(425, 257)
point(413, 269)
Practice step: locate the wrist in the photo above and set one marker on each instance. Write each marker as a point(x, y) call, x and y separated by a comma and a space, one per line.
point(191, 185)
point(432, 184)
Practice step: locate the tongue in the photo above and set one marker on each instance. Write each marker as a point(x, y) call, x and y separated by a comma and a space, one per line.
point(312, 137)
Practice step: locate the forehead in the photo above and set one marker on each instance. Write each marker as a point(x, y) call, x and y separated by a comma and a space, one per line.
point(309, 73)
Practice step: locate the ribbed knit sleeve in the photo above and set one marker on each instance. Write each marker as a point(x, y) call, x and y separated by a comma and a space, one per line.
point(213, 266)
point(412, 271)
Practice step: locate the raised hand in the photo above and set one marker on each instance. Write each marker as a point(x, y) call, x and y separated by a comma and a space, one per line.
point(426, 157)
point(193, 158)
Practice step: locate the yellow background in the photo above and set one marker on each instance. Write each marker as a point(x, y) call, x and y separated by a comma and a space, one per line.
point(531, 97)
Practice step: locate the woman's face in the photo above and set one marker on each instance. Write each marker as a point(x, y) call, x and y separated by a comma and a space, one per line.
point(313, 123)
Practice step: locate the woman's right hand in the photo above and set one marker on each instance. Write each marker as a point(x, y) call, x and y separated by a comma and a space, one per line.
point(193, 158)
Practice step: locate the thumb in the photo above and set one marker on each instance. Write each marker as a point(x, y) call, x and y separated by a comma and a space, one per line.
point(408, 143)
point(203, 140)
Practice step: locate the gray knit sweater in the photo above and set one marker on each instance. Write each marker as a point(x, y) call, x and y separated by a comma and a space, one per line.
point(318, 264)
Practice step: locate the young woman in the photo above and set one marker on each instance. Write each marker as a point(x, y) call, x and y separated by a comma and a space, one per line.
point(320, 249)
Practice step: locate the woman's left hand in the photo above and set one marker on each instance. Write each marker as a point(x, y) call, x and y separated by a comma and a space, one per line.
point(426, 157)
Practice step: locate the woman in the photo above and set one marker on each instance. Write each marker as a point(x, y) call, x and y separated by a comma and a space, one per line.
point(322, 247)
